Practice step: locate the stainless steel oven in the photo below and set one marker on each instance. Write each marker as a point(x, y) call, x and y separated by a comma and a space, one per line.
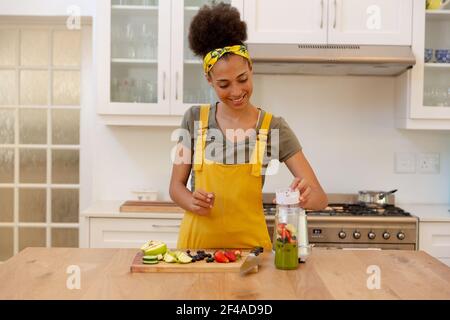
point(353, 225)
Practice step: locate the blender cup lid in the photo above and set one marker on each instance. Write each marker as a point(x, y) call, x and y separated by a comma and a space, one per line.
point(287, 196)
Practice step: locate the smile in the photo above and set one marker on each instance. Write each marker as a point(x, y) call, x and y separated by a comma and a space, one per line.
point(238, 101)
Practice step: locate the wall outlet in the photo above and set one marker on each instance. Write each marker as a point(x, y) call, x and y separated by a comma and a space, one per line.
point(428, 163)
point(405, 162)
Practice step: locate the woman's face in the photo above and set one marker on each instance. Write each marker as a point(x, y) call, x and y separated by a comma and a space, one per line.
point(231, 78)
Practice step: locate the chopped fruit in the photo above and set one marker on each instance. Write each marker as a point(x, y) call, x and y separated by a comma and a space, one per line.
point(182, 257)
point(285, 235)
point(230, 255)
point(220, 257)
point(160, 257)
point(150, 261)
point(280, 227)
point(169, 258)
point(153, 248)
point(291, 228)
point(238, 254)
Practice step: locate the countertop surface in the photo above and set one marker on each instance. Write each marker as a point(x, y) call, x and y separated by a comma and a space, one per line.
point(42, 273)
point(110, 209)
point(428, 212)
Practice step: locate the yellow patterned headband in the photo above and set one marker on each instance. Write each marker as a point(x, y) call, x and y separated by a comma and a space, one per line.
point(213, 56)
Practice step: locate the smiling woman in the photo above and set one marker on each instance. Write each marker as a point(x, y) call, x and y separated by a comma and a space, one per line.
point(231, 144)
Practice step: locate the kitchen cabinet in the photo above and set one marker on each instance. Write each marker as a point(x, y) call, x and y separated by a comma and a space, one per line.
point(423, 93)
point(286, 21)
point(145, 71)
point(376, 22)
point(102, 225)
point(132, 232)
point(434, 239)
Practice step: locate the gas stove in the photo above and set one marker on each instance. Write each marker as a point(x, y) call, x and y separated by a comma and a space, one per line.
point(349, 224)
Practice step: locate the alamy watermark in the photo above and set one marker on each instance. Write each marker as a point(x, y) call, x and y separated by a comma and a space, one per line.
point(222, 148)
point(73, 21)
point(74, 279)
point(374, 280)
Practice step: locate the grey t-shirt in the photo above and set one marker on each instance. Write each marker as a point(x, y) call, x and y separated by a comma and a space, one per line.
point(282, 142)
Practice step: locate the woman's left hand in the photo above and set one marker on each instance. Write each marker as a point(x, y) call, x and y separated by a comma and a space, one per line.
point(305, 190)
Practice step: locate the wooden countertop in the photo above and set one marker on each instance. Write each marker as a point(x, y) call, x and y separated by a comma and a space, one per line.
point(41, 273)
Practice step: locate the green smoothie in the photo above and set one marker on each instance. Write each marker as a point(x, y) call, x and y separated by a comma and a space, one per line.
point(286, 255)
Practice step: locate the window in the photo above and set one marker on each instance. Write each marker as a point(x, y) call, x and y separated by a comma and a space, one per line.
point(39, 137)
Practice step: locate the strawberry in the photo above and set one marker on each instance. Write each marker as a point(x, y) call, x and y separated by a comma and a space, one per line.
point(238, 254)
point(285, 235)
point(280, 227)
point(230, 255)
point(219, 256)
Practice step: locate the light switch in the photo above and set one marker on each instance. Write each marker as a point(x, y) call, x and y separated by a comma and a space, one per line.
point(428, 163)
point(405, 162)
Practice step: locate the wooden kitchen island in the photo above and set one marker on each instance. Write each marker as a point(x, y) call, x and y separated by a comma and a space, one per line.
point(41, 273)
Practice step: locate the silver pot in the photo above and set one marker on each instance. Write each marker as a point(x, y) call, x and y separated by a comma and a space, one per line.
point(374, 198)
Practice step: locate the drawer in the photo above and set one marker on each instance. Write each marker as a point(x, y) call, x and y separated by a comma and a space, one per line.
point(434, 238)
point(132, 233)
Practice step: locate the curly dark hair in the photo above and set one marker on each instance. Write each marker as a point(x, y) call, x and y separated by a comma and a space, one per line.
point(216, 26)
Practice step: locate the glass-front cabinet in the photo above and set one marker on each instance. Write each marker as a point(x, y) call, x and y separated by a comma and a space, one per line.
point(436, 86)
point(191, 87)
point(132, 57)
point(430, 77)
point(144, 64)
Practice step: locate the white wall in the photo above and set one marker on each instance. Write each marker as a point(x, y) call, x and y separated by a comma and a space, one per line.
point(45, 8)
point(345, 124)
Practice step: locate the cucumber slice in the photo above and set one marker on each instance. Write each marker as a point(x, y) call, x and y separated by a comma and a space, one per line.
point(150, 262)
point(150, 258)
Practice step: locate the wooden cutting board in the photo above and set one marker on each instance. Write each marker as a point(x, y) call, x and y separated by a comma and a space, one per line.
point(199, 266)
point(150, 206)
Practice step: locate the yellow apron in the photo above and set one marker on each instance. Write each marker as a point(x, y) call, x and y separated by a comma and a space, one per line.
point(237, 218)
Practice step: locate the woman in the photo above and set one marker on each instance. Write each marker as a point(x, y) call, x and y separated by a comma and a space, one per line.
point(224, 208)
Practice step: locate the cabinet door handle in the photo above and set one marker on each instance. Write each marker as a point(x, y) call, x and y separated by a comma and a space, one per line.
point(166, 225)
point(176, 85)
point(321, 17)
point(164, 85)
point(335, 14)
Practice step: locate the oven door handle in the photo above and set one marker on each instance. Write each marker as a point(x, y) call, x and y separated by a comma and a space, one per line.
point(365, 249)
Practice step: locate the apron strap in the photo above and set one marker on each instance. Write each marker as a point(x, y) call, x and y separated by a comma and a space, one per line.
point(260, 146)
point(201, 137)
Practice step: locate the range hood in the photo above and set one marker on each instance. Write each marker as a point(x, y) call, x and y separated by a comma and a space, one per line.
point(312, 59)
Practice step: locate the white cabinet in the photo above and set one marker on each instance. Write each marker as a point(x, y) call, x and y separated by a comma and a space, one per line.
point(434, 238)
point(423, 93)
point(145, 71)
point(286, 21)
point(365, 22)
point(375, 22)
point(132, 43)
point(132, 232)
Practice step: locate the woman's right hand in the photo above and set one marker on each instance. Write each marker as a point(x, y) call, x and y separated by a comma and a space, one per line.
point(202, 202)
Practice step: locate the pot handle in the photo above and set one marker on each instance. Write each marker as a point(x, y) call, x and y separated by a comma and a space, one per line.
point(384, 194)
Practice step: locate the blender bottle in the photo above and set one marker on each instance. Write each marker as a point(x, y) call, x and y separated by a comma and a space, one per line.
point(304, 248)
point(285, 232)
